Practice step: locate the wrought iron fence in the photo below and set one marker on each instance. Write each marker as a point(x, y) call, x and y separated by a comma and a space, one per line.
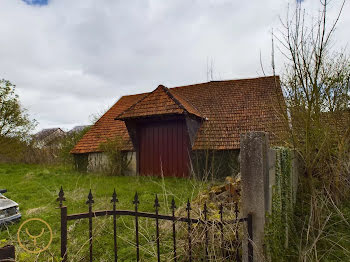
point(157, 217)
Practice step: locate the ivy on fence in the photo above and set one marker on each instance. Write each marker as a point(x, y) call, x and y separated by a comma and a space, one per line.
point(278, 224)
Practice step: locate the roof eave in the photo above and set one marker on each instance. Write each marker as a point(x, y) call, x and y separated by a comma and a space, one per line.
point(185, 113)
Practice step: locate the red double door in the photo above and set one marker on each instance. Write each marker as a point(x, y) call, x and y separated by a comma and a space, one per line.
point(163, 148)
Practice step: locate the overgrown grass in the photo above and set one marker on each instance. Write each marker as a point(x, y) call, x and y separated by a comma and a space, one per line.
point(318, 230)
point(35, 188)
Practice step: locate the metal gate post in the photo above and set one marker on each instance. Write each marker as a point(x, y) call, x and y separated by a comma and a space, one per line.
point(63, 209)
point(64, 233)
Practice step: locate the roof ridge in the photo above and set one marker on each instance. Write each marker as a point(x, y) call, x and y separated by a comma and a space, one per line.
point(133, 105)
point(243, 79)
point(182, 97)
point(138, 94)
point(227, 80)
point(167, 91)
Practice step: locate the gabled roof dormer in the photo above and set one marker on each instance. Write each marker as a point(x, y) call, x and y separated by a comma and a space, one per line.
point(159, 102)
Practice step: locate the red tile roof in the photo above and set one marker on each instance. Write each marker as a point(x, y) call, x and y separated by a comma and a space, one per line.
point(107, 127)
point(230, 107)
point(159, 102)
point(233, 107)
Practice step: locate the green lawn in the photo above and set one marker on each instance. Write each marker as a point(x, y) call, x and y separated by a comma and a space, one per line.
point(35, 188)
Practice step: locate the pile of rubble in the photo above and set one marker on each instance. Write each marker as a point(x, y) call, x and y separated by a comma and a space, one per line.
point(227, 194)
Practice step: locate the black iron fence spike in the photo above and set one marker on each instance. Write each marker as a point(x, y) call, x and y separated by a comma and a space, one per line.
point(90, 198)
point(136, 199)
point(90, 195)
point(61, 193)
point(61, 197)
point(188, 205)
point(173, 205)
point(114, 197)
point(156, 202)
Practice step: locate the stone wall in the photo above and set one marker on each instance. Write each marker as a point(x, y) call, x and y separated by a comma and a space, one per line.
point(132, 169)
point(98, 162)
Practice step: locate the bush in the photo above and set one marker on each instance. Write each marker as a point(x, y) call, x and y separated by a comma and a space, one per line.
point(68, 144)
point(214, 165)
point(118, 161)
point(46, 155)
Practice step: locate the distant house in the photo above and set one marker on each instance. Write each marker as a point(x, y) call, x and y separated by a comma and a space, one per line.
point(48, 137)
point(77, 129)
point(165, 128)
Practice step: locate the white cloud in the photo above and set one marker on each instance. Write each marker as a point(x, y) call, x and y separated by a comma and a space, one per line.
point(69, 59)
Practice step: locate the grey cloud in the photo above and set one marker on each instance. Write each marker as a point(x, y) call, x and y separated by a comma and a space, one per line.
point(70, 59)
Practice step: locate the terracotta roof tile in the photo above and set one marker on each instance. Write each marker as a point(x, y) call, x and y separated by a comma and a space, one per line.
point(187, 105)
point(159, 102)
point(234, 107)
point(107, 127)
point(231, 107)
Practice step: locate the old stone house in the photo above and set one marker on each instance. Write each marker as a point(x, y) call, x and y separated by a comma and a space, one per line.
point(165, 128)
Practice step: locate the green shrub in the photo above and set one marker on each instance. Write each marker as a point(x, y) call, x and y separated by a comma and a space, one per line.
point(118, 161)
point(68, 144)
point(214, 164)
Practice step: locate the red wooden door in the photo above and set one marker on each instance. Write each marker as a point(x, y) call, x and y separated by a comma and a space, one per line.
point(164, 148)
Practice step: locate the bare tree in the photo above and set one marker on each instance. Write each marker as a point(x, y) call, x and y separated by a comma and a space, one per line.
point(210, 69)
point(316, 87)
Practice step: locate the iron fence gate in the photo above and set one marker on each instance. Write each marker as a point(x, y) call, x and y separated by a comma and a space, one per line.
point(156, 216)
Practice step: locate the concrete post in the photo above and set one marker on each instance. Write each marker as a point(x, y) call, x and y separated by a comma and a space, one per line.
point(255, 187)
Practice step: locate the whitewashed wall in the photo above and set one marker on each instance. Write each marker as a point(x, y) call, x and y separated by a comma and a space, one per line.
point(98, 162)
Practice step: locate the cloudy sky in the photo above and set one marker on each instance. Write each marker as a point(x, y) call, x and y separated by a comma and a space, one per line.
point(71, 59)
